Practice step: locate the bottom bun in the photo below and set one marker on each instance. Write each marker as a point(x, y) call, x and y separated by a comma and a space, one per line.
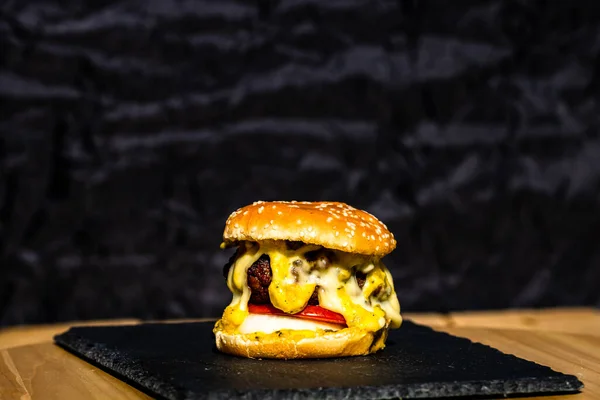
point(287, 344)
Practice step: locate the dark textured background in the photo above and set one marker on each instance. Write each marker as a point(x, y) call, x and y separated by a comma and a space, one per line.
point(131, 129)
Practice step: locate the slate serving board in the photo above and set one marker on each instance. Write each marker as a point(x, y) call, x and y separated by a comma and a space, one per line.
point(179, 361)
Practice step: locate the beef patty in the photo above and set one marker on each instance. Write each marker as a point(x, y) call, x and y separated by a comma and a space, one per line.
point(259, 279)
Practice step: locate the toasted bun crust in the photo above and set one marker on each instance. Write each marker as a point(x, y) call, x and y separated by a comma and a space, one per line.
point(333, 225)
point(344, 343)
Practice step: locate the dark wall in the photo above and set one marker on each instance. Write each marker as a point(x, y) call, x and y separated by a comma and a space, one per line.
point(131, 129)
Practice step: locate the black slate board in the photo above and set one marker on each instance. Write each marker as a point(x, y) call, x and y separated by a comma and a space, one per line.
point(179, 361)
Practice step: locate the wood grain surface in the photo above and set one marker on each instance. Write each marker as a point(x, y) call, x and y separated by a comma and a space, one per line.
point(567, 340)
point(45, 371)
point(23, 335)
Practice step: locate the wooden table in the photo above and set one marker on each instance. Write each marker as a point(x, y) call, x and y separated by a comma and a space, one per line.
point(568, 340)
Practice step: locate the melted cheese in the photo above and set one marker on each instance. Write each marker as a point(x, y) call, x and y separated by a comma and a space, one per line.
point(293, 283)
point(286, 293)
point(237, 311)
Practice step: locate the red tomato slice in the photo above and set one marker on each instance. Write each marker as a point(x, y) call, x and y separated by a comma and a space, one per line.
point(316, 313)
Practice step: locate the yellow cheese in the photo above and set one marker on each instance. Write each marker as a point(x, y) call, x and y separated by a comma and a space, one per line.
point(293, 283)
point(357, 315)
point(286, 293)
point(237, 279)
point(391, 305)
point(375, 280)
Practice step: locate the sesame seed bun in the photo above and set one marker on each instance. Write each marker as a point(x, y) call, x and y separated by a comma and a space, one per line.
point(333, 225)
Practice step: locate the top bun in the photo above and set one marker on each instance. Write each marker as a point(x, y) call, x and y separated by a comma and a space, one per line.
point(333, 225)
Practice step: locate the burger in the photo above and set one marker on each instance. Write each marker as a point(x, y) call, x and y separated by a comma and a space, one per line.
point(307, 282)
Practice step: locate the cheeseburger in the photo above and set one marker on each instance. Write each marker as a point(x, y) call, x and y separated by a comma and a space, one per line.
point(307, 282)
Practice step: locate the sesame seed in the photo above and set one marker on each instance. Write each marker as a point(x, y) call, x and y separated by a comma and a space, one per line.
point(299, 221)
point(260, 210)
point(345, 244)
point(266, 226)
point(372, 237)
point(279, 213)
point(364, 234)
point(301, 233)
point(329, 219)
point(245, 212)
point(310, 228)
point(313, 234)
point(274, 207)
point(337, 233)
point(386, 244)
point(236, 226)
point(377, 248)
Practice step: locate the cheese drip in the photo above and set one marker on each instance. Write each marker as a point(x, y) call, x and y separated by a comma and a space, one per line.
point(286, 293)
point(237, 311)
point(294, 281)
